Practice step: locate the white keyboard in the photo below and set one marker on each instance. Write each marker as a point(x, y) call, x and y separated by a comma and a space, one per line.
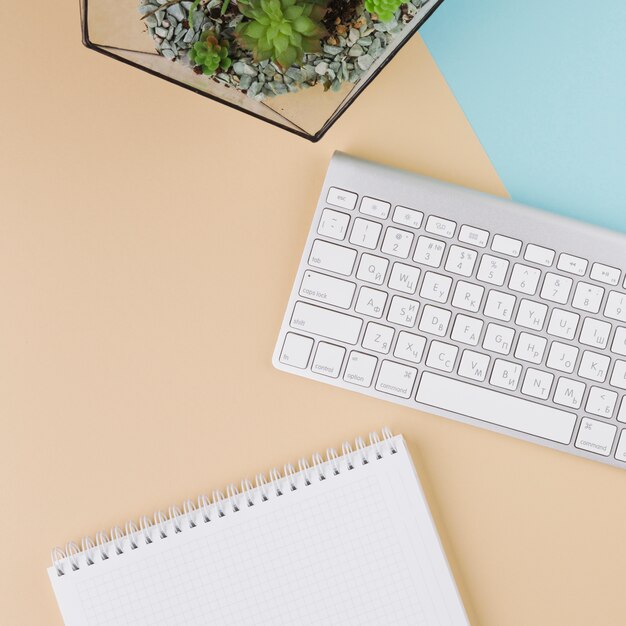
point(464, 305)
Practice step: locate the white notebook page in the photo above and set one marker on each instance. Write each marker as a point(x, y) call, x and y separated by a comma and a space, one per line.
point(357, 548)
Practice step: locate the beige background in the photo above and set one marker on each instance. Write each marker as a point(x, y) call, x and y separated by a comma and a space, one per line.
point(148, 241)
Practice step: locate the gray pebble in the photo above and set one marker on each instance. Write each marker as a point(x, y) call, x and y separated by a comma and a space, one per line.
point(355, 51)
point(375, 49)
point(321, 68)
point(177, 11)
point(243, 69)
point(365, 62)
point(333, 50)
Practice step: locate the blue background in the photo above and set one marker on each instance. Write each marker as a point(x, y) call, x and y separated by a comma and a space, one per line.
point(543, 84)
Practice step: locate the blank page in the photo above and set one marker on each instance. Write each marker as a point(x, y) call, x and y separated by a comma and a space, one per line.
point(338, 546)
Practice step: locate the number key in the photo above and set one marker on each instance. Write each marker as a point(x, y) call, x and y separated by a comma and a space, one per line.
point(397, 242)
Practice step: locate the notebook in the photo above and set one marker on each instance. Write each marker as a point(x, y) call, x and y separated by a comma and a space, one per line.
point(343, 539)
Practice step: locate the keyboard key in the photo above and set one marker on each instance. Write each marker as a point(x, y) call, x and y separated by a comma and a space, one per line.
point(429, 251)
point(439, 226)
point(498, 338)
point(436, 287)
point(506, 245)
point(408, 217)
point(556, 288)
point(296, 350)
point(595, 436)
point(360, 369)
point(621, 415)
point(409, 347)
point(595, 333)
point(331, 257)
point(397, 242)
point(524, 279)
point(531, 314)
point(563, 324)
point(403, 311)
point(375, 208)
point(328, 359)
point(468, 296)
point(372, 269)
point(572, 264)
point(594, 366)
point(619, 341)
point(616, 306)
point(333, 224)
point(588, 297)
point(378, 338)
point(618, 378)
point(620, 451)
point(474, 236)
point(537, 384)
point(539, 255)
point(605, 274)
point(601, 402)
point(493, 270)
point(496, 408)
point(341, 198)
point(404, 277)
point(505, 375)
point(569, 393)
point(530, 348)
point(499, 305)
point(442, 356)
point(396, 379)
point(334, 291)
point(330, 324)
point(467, 330)
point(371, 302)
point(365, 233)
point(562, 357)
point(474, 365)
point(461, 261)
point(435, 321)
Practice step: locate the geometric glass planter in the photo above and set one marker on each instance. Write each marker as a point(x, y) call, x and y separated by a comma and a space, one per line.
point(116, 29)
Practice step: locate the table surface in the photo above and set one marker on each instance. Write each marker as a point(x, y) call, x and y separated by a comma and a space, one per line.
point(135, 337)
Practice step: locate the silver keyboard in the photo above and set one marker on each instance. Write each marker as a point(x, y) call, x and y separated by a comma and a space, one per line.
point(463, 305)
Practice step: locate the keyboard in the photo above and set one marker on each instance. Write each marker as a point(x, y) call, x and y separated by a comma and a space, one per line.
point(463, 305)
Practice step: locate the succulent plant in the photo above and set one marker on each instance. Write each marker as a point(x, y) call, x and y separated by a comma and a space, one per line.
point(384, 9)
point(281, 30)
point(210, 54)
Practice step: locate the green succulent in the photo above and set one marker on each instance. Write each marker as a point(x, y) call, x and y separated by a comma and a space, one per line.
point(385, 9)
point(210, 54)
point(281, 30)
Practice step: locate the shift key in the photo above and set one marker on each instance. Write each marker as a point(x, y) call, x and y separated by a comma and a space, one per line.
point(331, 324)
point(331, 257)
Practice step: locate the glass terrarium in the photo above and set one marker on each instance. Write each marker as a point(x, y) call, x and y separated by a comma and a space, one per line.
point(297, 64)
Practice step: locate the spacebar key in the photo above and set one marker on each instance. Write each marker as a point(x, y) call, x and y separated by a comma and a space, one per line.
point(496, 408)
point(331, 324)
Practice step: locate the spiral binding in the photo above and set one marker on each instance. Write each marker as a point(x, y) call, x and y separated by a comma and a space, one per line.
point(161, 526)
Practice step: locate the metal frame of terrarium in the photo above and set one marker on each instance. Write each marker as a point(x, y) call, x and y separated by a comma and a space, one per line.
point(355, 92)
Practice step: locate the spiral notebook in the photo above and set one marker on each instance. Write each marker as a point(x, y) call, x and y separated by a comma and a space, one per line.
point(343, 539)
